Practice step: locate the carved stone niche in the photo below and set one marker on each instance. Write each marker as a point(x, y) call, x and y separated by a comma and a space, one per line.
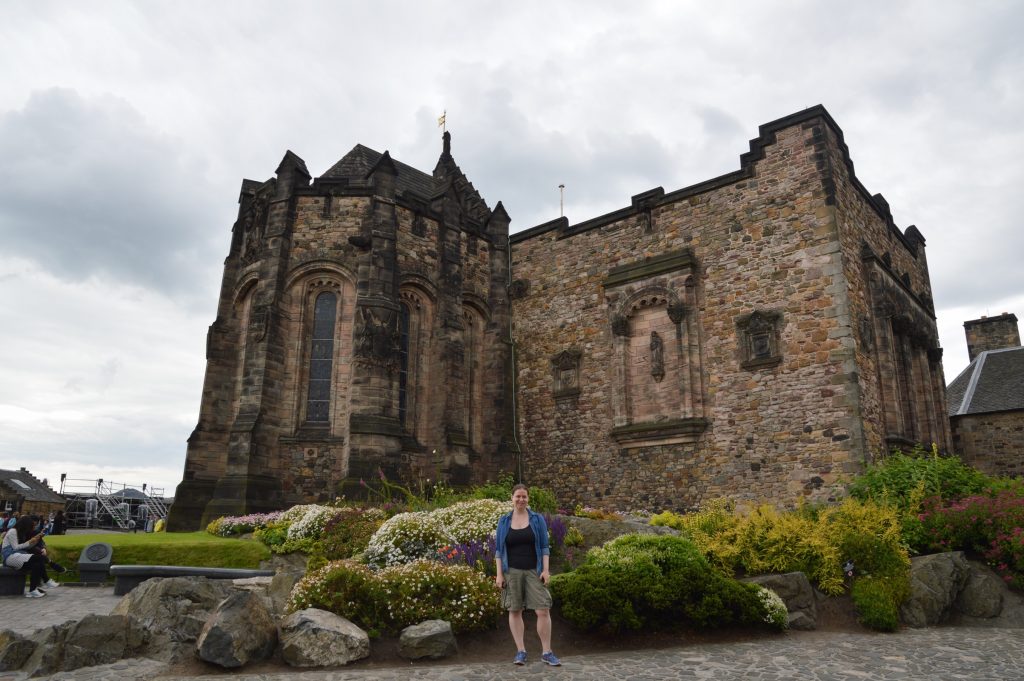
point(519, 288)
point(565, 368)
point(758, 334)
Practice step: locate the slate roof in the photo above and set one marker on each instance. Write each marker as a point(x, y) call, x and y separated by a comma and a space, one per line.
point(30, 488)
point(994, 381)
point(356, 165)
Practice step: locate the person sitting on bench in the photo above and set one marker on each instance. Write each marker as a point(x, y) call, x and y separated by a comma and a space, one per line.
point(16, 552)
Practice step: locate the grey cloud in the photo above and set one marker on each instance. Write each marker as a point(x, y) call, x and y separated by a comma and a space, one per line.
point(88, 189)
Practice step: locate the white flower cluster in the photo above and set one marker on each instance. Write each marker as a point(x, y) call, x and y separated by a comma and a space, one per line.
point(471, 520)
point(408, 536)
point(404, 538)
point(308, 521)
point(777, 613)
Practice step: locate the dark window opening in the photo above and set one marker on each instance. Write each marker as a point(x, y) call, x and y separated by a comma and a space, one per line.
point(403, 371)
point(321, 359)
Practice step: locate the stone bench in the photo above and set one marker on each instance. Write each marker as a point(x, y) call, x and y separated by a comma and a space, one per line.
point(12, 582)
point(127, 577)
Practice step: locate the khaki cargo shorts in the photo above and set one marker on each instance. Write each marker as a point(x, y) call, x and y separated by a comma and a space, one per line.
point(524, 591)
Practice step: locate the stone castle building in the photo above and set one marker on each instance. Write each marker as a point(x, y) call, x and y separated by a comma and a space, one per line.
point(986, 401)
point(760, 335)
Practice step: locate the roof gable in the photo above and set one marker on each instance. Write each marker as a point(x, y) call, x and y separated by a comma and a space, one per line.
point(994, 381)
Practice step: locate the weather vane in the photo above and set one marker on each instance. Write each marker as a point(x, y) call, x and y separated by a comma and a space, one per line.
point(441, 120)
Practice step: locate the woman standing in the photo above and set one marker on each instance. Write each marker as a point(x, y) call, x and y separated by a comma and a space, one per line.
point(15, 549)
point(522, 556)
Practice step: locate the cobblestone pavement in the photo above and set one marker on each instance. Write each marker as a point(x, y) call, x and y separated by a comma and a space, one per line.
point(936, 654)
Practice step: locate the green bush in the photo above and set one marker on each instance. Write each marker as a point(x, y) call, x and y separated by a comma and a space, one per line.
point(901, 478)
point(877, 601)
point(654, 582)
point(394, 598)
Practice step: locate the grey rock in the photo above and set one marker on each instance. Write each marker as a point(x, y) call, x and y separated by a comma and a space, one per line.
point(935, 582)
point(239, 631)
point(102, 639)
point(318, 638)
point(796, 592)
point(49, 649)
point(15, 650)
point(433, 639)
point(174, 611)
point(280, 591)
point(982, 595)
point(597, 532)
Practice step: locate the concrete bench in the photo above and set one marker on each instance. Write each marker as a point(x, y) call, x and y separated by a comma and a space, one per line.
point(127, 577)
point(12, 582)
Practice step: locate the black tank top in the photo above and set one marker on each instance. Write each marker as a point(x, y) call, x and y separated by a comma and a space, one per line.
point(522, 554)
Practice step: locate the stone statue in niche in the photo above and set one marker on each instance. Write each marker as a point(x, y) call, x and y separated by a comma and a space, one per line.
point(376, 339)
point(657, 357)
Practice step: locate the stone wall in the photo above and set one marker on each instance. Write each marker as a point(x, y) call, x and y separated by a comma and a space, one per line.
point(719, 422)
point(992, 442)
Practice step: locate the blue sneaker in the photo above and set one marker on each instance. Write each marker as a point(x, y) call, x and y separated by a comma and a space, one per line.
point(550, 658)
point(520, 658)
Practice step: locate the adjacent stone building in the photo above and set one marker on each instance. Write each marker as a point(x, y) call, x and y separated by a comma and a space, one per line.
point(760, 335)
point(986, 401)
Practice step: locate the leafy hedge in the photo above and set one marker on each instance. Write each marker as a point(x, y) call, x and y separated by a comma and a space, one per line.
point(655, 582)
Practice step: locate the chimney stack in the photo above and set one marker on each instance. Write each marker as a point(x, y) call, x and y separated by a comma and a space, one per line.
point(991, 333)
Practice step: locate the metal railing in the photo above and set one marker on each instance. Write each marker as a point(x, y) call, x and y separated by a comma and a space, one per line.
point(105, 503)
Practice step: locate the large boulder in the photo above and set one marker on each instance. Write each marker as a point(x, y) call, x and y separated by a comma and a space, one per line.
point(174, 610)
point(318, 638)
point(982, 595)
point(239, 631)
point(935, 582)
point(796, 592)
point(102, 639)
point(15, 650)
point(433, 639)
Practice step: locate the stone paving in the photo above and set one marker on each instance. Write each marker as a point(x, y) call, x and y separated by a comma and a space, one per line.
point(935, 654)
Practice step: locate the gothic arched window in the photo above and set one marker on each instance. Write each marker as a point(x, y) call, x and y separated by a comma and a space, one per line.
point(403, 371)
point(321, 359)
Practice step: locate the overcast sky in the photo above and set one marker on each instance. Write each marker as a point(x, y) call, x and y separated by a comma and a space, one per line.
point(126, 129)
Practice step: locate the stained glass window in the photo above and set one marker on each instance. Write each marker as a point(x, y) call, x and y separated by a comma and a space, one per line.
point(321, 358)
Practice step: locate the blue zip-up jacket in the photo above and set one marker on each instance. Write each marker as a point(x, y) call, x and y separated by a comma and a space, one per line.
point(540, 539)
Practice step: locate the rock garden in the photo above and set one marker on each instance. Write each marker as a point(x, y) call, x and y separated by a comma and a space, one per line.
point(921, 540)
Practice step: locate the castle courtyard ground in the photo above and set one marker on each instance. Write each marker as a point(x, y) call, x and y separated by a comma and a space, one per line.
point(983, 654)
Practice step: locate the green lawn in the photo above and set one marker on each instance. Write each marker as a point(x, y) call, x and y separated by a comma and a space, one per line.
point(159, 548)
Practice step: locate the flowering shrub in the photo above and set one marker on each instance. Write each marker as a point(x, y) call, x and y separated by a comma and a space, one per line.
point(988, 524)
point(348, 532)
point(411, 536)
point(776, 613)
point(228, 526)
point(396, 597)
point(477, 554)
point(404, 538)
point(470, 520)
point(307, 522)
point(425, 590)
point(651, 582)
